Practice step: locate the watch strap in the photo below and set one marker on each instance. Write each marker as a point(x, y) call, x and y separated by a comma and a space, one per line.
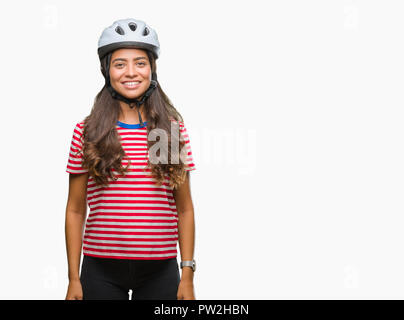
point(188, 263)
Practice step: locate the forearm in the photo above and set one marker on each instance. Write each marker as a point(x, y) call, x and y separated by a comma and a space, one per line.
point(186, 239)
point(74, 225)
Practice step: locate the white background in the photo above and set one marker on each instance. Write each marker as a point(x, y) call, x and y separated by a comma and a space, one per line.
point(295, 116)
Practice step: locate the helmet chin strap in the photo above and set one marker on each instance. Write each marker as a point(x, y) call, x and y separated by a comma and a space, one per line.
point(131, 102)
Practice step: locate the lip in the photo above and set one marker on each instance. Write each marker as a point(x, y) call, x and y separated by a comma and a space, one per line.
point(131, 87)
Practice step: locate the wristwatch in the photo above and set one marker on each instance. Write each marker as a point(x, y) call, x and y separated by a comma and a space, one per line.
point(190, 263)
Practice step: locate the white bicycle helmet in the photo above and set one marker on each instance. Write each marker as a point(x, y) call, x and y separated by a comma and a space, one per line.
point(129, 33)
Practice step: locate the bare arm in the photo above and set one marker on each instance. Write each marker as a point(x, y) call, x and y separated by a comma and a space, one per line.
point(76, 211)
point(186, 225)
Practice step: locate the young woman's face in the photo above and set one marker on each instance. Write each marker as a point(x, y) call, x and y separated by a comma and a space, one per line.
point(130, 72)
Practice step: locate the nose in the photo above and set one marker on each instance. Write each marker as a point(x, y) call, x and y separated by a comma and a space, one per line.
point(131, 71)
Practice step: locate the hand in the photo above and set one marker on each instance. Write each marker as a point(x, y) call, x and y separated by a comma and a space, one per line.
point(74, 291)
point(186, 290)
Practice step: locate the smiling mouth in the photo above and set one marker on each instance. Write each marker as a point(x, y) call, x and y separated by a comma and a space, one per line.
point(131, 84)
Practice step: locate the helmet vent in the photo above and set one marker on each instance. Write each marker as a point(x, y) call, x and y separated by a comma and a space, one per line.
point(146, 31)
point(119, 30)
point(132, 26)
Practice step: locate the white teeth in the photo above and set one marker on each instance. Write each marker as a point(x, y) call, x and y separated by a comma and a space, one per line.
point(131, 83)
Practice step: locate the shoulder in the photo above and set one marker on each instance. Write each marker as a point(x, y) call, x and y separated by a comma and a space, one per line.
point(180, 123)
point(79, 126)
point(78, 131)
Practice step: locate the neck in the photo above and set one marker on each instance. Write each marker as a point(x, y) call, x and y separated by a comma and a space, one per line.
point(130, 115)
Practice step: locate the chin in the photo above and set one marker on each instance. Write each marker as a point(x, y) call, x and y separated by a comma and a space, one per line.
point(132, 94)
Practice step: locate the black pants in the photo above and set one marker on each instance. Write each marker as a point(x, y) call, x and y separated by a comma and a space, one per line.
point(111, 279)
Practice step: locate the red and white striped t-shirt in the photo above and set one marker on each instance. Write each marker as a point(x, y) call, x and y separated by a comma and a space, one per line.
point(131, 218)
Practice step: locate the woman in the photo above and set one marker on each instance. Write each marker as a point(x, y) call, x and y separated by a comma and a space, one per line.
point(137, 186)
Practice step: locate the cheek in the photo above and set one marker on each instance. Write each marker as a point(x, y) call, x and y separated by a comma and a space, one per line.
point(115, 75)
point(145, 72)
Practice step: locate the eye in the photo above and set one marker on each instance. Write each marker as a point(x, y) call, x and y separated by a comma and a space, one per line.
point(119, 64)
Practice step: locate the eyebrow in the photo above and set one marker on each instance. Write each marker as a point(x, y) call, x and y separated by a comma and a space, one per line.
point(123, 59)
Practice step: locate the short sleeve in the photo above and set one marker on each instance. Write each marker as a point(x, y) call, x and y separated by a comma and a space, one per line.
point(74, 163)
point(187, 152)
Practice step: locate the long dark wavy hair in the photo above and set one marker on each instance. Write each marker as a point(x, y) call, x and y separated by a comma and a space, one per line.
point(102, 149)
